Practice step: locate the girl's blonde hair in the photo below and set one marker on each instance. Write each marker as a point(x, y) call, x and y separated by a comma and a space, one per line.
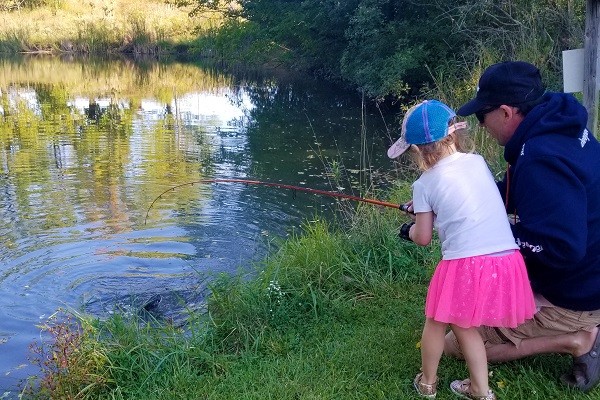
point(429, 154)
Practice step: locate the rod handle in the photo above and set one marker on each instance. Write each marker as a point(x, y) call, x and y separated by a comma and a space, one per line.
point(404, 207)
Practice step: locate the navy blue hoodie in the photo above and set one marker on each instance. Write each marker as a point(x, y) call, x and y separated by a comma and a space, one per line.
point(554, 188)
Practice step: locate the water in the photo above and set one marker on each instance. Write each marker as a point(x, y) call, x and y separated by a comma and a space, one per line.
point(86, 146)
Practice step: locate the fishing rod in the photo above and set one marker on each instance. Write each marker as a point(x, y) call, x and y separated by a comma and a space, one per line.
point(402, 207)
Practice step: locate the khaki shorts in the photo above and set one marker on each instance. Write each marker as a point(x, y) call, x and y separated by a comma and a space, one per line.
point(548, 321)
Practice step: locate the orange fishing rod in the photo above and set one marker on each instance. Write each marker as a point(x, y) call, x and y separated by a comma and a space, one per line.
point(402, 207)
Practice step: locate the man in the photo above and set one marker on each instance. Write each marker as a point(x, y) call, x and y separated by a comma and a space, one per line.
point(552, 195)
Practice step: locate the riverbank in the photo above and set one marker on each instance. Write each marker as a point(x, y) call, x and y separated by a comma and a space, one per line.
point(333, 314)
point(100, 27)
point(347, 43)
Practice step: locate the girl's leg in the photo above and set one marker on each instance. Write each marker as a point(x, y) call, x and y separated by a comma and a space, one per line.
point(474, 352)
point(432, 347)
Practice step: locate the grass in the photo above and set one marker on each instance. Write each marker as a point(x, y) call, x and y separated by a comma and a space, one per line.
point(333, 314)
point(100, 26)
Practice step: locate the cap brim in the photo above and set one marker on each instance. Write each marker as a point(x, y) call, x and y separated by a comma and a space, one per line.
point(399, 147)
point(470, 108)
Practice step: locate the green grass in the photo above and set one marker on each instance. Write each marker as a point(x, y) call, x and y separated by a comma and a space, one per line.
point(335, 313)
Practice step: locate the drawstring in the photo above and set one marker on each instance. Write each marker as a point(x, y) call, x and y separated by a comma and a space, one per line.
point(507, 186)
point(508, 191)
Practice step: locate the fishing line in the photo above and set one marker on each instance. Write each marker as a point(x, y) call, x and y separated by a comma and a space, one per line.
point(402, 207)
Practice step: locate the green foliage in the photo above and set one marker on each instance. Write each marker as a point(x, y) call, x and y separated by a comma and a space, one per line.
point(123, 357)
point(377, 46)
point(199, 6)
point(393, 49)
point(537, 32)
point(240, 42)
point(382, 49)
point(386, 49)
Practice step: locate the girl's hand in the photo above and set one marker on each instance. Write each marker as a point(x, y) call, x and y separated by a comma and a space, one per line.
point(408, 209)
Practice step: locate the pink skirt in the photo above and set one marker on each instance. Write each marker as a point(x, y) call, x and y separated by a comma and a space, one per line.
point(481, 290)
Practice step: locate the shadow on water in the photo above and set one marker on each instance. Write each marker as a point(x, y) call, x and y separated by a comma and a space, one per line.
point(87, 145)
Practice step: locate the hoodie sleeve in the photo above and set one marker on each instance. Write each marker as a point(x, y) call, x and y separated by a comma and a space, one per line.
point(552, 207)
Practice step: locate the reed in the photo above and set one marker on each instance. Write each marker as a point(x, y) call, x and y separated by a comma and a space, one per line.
point(70, 26)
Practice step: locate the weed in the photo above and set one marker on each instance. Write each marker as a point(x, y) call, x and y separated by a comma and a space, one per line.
point(72, 365)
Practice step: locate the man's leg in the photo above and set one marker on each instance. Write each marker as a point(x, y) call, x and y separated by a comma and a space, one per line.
point(575, 344)
point(552, 330)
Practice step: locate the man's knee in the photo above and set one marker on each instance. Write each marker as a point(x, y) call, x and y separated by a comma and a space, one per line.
point(490, 337)
point(451, 346)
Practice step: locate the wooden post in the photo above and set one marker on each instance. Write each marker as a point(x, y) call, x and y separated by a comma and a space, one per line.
point(591, 63)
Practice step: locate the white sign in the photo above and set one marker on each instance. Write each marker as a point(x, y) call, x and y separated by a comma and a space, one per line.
point(573, 70)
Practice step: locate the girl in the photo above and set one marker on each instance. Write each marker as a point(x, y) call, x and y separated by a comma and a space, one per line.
point(481, 279)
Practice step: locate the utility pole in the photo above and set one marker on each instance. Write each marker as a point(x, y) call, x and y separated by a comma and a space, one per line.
point(591, 63)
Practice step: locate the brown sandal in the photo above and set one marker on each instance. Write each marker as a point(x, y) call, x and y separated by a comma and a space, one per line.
point(463, 390)
point(425, 389)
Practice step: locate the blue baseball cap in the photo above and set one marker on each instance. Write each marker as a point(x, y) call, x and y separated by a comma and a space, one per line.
point(426, 122)
point(509, 82)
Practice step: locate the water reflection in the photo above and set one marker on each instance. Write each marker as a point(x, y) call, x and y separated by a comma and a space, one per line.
point(86, 147)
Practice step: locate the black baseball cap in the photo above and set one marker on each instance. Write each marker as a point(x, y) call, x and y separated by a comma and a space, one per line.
point(509, 82)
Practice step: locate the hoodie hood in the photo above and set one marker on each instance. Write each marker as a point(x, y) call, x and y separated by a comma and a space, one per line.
point(559, 113)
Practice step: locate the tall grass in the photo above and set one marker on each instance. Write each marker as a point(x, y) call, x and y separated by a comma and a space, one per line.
point(95, 26)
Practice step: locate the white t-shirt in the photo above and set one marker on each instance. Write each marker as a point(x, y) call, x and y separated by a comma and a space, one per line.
point(469, 214)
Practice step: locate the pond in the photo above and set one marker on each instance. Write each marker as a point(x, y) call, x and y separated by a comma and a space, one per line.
point(86, 146)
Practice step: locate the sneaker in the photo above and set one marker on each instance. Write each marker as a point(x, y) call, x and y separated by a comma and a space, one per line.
point(463, 390)
point(424, 389)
